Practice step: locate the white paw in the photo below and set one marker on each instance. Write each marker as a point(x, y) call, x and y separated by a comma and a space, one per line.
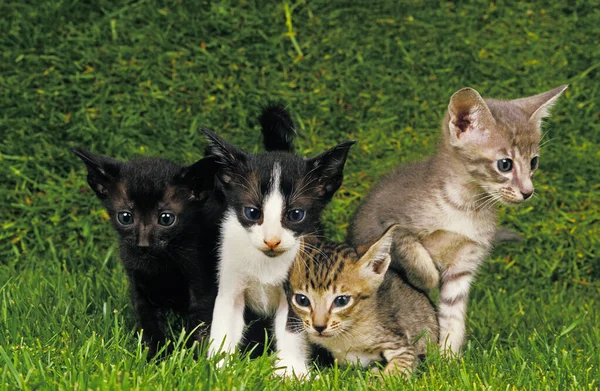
point(289, 368)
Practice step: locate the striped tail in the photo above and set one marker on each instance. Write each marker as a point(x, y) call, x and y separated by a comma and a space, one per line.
point(277, 128)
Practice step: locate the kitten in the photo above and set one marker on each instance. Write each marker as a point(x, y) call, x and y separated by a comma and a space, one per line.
point(357, 309)
point(273, 200)
point(167, 219)
point(445, 205)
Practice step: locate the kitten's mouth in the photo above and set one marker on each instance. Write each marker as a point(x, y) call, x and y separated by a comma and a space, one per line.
point(511, 201)
point(272, 253)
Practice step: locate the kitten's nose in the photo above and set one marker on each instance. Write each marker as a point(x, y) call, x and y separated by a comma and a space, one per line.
point(319, 328)
point(526, 195)
point(272, 243)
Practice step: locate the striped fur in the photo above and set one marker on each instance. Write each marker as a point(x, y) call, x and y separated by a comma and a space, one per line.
point(385, 320)
point(445, 206)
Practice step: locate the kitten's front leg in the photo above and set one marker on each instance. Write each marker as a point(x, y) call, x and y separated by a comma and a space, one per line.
point(227, 327)
point(291, 343)
point(400, 361)
point(454, 293)
point(199, 315)
point(409, 254)
point(150, 319)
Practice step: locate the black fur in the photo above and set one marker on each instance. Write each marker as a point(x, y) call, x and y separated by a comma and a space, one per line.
point(307, 184)
point(277, 128)
point(176, 269)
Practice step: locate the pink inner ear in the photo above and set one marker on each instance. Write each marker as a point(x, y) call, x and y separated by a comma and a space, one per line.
point(462, 122)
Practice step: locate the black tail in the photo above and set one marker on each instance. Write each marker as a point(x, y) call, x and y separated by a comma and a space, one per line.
point(277, 128)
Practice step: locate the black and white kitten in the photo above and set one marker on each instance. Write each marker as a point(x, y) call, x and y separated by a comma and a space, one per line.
point(273, 200)
point(167, 219)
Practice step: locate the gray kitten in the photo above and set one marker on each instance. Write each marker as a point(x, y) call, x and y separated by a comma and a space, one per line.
point(445, 205)
point(358, 310)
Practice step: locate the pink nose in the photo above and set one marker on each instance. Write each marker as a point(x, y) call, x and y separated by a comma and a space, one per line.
point(272, 243)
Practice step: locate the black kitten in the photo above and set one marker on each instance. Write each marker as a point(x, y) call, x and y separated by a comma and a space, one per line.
point(167, 219)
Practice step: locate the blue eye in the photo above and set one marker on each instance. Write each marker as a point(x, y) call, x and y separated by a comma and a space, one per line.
point(341, 301)
point(302, 300)
point(296, 215)
point(252, 214)
point(166, 219)
point(534, 163)
point(505, 165)
point(125, 218)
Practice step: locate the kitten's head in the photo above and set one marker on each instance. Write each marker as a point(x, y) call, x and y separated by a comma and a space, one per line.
point(276, 197)
point(499, 141)
point(331, 288)
point(149, 200)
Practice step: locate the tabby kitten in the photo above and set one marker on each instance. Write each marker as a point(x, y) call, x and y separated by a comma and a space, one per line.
point(273, 200)
point(445, 205)
point(167, 219)
point(357, 309)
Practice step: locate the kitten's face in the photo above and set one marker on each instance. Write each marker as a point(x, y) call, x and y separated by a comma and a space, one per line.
point(331, 289)
point(499, 141)
point(276, 197)
point(149, 200)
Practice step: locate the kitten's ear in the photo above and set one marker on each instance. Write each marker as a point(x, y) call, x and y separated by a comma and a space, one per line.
point(470, 119)
point(199, 177)
point(103, 171)
point(376, 260)
point(227, 156)
point(538, 106)
point(327, 169)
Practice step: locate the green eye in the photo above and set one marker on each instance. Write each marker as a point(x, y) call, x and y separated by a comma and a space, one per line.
point(302, 300)
point(341, 301)
point(125, 218)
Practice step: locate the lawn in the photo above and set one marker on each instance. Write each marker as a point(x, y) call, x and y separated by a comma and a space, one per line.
point(139, 77)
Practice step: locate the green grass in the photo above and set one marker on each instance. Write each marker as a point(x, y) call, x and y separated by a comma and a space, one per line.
point(140, 78)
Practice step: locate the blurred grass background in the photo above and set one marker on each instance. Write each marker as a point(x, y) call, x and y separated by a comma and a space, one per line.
point(139, 77)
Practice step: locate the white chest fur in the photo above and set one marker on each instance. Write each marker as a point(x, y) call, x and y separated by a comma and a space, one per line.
point(478, 226)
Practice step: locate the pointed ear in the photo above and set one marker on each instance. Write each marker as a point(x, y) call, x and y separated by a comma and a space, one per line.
point(538, 106)
point(470, 118)
point(103, 171)
point(227, 156)
point(376, 260)
point(199, 177)
point(327, 169)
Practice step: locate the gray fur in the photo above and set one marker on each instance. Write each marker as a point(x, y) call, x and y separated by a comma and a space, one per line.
point(445, 205)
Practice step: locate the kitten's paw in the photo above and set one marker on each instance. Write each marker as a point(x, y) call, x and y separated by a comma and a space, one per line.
point(432, 281)
point(289, 368)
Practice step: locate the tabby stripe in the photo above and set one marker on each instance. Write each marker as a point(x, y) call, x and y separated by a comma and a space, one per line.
point(447, 278)
point(454, 300)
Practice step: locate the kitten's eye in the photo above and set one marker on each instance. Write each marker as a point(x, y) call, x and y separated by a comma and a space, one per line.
point(534, 163)
point(252, 214)
point(302, 300)
point(296, 215)
point(505, 165)
point(125, 218)
point(341, 301)
point(166, 219)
